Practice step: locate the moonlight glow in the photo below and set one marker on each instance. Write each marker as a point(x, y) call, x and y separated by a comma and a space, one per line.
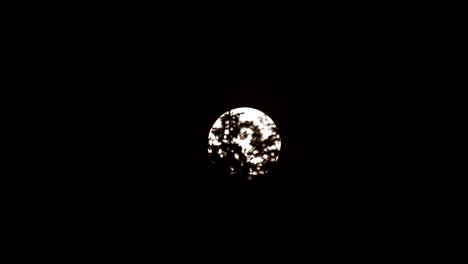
point(245, 140)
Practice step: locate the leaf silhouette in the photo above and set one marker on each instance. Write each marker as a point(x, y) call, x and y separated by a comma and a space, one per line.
point(232, 157)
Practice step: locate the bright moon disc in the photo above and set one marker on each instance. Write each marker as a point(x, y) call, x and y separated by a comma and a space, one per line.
point(244, 141)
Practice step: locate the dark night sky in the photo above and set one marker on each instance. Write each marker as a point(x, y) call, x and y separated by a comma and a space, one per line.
point(352, 94)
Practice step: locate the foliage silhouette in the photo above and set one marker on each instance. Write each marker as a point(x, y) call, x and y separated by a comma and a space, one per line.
point(228, 155)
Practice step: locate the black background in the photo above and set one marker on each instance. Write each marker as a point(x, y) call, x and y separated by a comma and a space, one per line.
point(353, 90)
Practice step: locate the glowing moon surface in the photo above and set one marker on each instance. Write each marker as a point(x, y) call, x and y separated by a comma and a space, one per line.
point(245, 141)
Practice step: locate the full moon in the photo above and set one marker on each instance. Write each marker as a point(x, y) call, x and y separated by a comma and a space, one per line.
point(245, 141)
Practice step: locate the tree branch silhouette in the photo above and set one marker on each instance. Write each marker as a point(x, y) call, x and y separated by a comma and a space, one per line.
point(230, 157)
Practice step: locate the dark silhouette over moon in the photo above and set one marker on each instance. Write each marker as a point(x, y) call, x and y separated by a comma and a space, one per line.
point(244, 141)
